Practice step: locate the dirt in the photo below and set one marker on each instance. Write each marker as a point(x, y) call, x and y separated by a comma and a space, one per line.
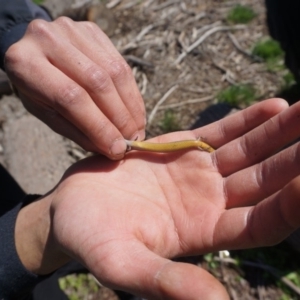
point(152, 35)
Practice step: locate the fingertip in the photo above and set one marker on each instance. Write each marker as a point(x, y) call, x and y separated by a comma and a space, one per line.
point(187, 281)
point(276, 104)
point(138, 136)
point(118, 149)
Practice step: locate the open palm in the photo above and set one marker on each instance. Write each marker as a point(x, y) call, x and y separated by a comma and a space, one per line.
point(125, 220)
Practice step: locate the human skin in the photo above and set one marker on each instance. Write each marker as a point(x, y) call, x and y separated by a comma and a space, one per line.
point(125, 220)
point(70, 75)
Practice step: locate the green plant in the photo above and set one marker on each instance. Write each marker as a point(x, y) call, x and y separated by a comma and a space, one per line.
point(78, 286)
point(289, 80)
point(169, 122)
point(237, 94)
point(268, 49)
point(275, 65)
point(38, 2)
point(241, 14)
point(209, 258)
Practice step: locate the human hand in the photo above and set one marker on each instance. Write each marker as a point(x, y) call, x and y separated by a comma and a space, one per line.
point(70, 75)
point(124, 220)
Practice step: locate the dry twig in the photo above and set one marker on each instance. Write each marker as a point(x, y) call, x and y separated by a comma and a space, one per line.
point(132, 44)
point(194, 19)
point(160, 102)
point(190, 101)
point(238, 46)
point(113, 3)
point(165, 4)
point(204, 37)
point(144, 84)
point(228, 75)
point(138, 61)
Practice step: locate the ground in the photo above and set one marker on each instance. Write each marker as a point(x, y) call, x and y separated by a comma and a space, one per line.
point(183, 54)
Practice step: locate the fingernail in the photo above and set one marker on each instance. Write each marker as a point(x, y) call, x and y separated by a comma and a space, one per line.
point(138, 136)
point(141, 135)
point(118, 148)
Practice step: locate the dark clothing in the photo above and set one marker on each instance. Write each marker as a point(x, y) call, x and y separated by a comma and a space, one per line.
point(284, 26)
point(13, 276)
point(15, 16)
point(15, 281)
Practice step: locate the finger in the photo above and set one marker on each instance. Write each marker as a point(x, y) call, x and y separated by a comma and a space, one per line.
point(265, 224)
point(261, 142)
point(150, 276)
point(97, 81)
point(57, 123)
point(262, 180)
point(222, 132)
point(74, 104)
point(116, 65)
point(104, 60)
point(99, 86)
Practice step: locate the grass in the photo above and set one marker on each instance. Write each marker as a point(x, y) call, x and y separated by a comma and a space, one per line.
point(270, 51)
point(38, 2)
point(78, 286)
point(288, 80)
point(169, 123)
point(237, 95)
point(241, 14)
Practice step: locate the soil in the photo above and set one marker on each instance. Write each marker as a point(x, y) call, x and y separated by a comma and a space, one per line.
point(155, 38)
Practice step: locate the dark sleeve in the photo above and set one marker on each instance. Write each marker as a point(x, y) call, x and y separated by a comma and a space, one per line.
point(284, 26)
point(14, 278)
point(15, 16)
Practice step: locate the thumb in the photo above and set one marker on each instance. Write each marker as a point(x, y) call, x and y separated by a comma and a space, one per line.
point(138, 270)
point(186, 281)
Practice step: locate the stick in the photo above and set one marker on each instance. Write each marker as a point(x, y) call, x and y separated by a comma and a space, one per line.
point(204, 37)
point(162, 100)
point(165, 4)
point(238, 46)
point(138, 61)
point(112, 3)
point(143, 32)
point(132, 44)
point(144, 84)
point(191, 101)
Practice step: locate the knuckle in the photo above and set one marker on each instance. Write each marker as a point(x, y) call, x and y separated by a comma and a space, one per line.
point(91, 26)
point(14, 55)
point(70, 94)
point(64, 22)
point(39, 27)
point(119, 69)
point(97, 78)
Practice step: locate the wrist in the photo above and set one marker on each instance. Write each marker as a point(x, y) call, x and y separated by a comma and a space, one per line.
point(35, 245)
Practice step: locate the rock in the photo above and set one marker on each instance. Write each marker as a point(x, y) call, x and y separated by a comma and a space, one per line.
point(34, 155)
point(83, 10)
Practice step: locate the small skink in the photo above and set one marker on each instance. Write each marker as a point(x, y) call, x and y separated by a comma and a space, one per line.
point(168, 147)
